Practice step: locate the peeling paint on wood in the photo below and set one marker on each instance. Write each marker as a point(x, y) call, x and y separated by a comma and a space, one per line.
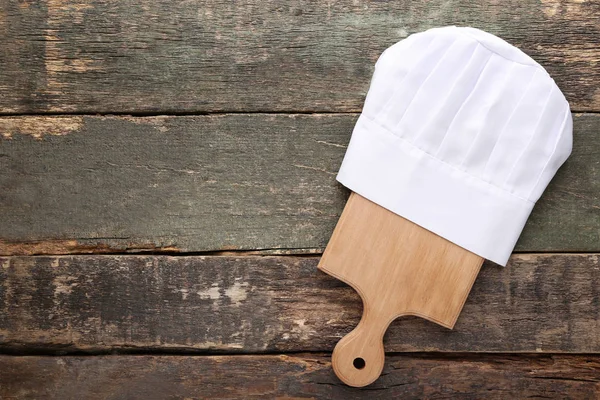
point(38, 127)
point(220, 183)
point(295, 55)
point(539, 303)
point(299, 377)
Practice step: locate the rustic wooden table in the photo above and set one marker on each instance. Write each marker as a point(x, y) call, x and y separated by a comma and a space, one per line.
point(167, 183)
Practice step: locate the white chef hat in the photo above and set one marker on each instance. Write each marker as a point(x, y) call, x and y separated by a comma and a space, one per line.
point(460, 133)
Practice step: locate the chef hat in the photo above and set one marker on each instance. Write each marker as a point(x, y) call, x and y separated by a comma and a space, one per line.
point(460, 133)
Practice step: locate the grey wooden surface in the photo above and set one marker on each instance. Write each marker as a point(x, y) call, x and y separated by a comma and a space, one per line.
point(539, 303)
point(304, 376)
point(254, 55)
point(226, 182)
point(206, 135)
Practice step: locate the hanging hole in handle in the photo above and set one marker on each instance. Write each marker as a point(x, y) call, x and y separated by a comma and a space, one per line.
point(358, 363)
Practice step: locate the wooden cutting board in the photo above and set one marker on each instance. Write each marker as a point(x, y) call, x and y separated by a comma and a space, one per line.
point(398, 268)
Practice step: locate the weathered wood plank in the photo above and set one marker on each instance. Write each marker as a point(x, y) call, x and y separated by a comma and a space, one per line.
point(294, 55)
point(236, 181)
point(302, 376)
point(539, 303)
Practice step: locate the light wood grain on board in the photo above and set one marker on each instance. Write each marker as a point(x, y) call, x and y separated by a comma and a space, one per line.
point(195, 56)
point(83, 184)
point(299, 377)
point(399, 269)
point(538, 303)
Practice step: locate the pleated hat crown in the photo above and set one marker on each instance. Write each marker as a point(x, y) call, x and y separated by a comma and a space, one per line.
point(460, 133)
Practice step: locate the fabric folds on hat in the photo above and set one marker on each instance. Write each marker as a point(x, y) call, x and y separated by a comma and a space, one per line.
point(460, 133)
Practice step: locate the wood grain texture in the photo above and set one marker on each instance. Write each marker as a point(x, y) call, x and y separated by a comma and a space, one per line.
point(398, 268)
point(104, 56)
point(84, 184)
point(298, 377)
point(539, 303)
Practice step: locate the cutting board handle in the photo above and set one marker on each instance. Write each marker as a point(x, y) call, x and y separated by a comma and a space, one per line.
point(359, 357)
